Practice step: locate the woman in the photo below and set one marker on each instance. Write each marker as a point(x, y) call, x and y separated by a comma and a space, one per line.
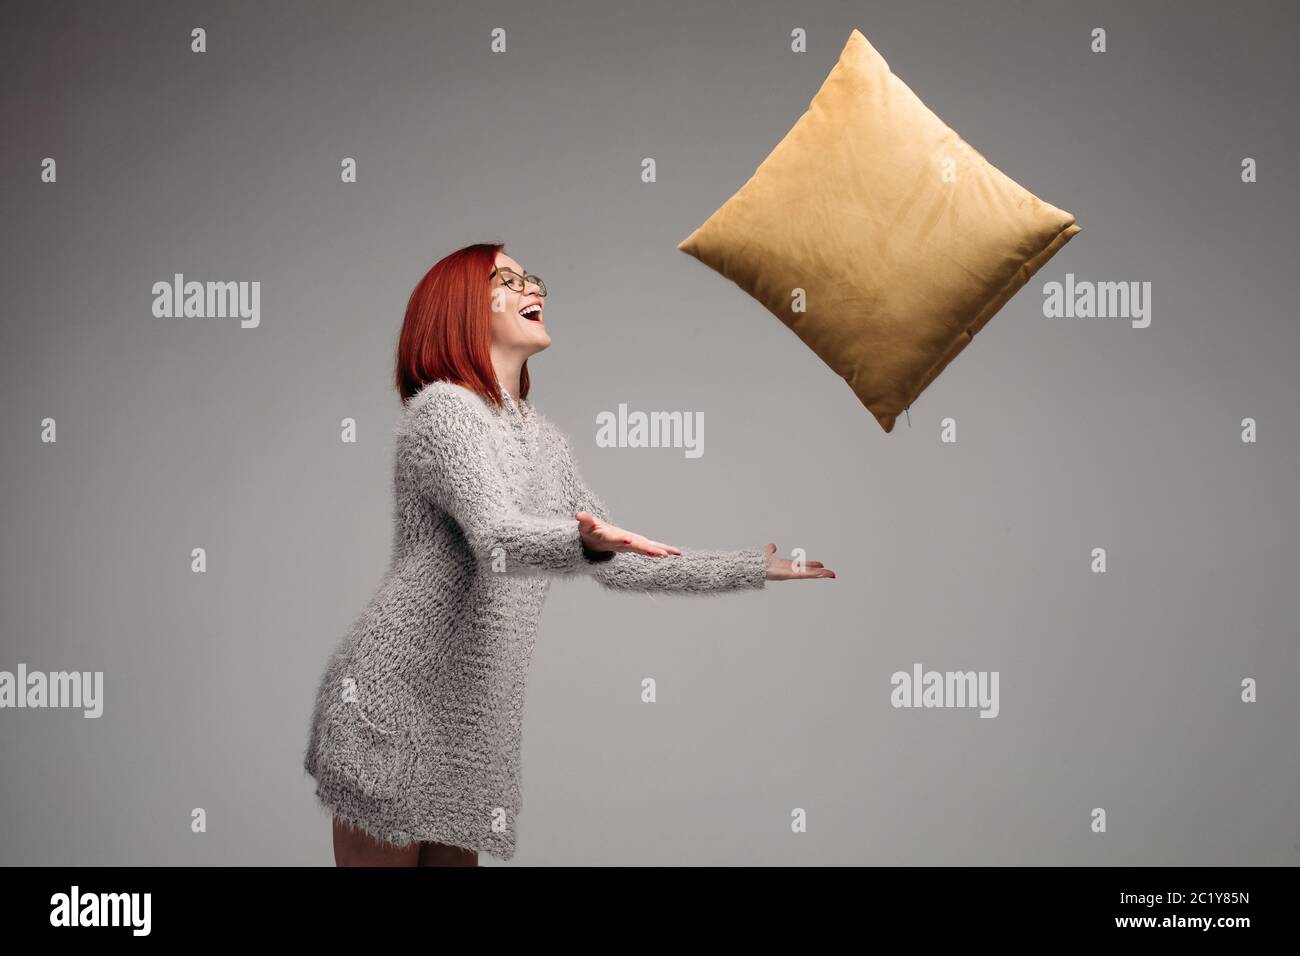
point(415, 737)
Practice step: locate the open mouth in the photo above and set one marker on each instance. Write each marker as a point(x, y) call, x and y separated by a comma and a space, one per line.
point(532, 313)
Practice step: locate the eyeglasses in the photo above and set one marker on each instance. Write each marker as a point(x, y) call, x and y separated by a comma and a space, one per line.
point(518, 283)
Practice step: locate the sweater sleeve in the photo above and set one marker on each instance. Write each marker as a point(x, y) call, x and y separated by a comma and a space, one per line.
point(453, 457)
point(694, 570)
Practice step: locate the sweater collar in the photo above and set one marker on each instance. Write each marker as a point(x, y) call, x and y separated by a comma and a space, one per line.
point(519, 409)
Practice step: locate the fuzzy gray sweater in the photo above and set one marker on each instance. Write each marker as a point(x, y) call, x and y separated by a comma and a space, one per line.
point(416, 728)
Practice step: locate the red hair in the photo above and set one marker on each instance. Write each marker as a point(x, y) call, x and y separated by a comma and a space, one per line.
point(447, 332)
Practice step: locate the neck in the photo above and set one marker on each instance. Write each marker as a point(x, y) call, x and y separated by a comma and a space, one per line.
point(507, 366)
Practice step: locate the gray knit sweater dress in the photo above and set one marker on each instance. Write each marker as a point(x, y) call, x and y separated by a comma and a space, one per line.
point(416, 733)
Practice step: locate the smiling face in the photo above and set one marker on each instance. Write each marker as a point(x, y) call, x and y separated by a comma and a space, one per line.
point(517, 324)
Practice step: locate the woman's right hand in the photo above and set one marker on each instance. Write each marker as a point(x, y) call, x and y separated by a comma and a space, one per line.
point(600, 535)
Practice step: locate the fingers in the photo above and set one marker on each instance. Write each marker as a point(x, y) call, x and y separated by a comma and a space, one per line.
point(786, 570)
point(656, 549)
point(640, 544)
point(812, 569)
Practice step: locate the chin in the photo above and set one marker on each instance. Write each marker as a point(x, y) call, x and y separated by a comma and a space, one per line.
point(539, 343)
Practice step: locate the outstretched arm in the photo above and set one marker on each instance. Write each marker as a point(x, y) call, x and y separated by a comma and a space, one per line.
point(451, 452)
point(693, 570)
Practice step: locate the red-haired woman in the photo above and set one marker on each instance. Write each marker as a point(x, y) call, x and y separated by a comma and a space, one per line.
point(415, 735)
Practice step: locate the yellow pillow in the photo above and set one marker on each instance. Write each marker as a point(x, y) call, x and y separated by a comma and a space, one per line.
point(904, 240)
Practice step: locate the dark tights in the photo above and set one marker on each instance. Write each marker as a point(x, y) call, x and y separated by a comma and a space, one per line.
point(354, 847)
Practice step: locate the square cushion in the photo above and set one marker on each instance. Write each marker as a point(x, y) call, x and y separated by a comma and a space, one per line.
point(903, 238)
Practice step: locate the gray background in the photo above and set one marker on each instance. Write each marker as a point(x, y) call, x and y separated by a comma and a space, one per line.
point(1118, 690)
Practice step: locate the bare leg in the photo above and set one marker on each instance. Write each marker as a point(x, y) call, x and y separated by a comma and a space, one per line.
point(443, 854)
point(354, 847)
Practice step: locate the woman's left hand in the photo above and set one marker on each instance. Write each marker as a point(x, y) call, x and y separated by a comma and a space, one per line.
point(783, 569)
